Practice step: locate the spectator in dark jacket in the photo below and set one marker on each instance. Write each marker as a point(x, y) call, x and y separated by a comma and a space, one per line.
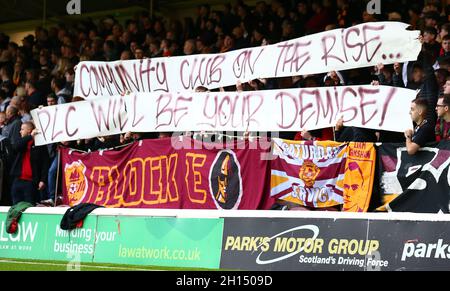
point(356, 134)
point(429, 89)
point(12, 128)
point(429, 35)
point(30, 168)
point(35, 97)
point(423, 132)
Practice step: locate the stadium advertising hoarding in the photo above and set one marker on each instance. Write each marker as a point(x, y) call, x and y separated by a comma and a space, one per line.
point(293, 244)
point(39, 237)
point(159, 241)
point(412, 245)
point(313, 244)
point(244, 243)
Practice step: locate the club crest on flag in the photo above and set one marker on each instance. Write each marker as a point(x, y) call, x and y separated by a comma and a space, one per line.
point(76, 182)
point(308, 173)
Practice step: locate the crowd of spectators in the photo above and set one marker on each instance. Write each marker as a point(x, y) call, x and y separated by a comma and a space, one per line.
point(40, 72)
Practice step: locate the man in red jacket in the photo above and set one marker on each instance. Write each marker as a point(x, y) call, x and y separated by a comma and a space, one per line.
point(30, 168)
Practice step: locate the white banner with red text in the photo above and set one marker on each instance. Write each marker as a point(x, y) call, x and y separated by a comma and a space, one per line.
point(340, 49)
point(376, 107)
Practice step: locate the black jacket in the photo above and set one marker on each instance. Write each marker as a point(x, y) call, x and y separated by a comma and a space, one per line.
point(429, 89)
point(39, 160)
point(75, 214)
point(12, 129)
point(36, 99)
point(355, 134)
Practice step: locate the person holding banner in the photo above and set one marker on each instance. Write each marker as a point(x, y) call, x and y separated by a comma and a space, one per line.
point(423, 132)
point(429, 88)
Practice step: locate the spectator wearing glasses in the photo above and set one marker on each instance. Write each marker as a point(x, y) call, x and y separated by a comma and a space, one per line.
point(442, 129)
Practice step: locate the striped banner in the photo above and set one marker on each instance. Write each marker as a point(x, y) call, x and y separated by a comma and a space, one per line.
point(323, 174)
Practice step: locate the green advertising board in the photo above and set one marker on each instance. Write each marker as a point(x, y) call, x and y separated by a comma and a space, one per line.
point(156, 241)
point(39, 237)
point(159, 241)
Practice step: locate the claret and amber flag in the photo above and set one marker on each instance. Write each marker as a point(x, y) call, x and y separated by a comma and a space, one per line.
point(321, 174)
